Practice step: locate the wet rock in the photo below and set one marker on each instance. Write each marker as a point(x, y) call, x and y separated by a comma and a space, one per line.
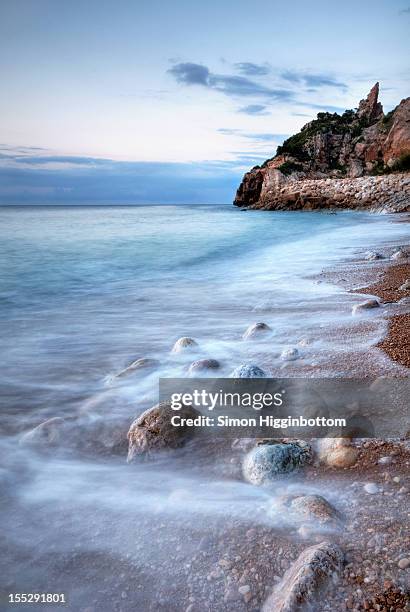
point(337, 452)
point(202, 365)
point(264, 463)
point(373, 256)
point(183, 344)
point(405, 286)
point(400, 254)
point(371, 488)
point(138, 365)
point(302, 581)
point(248, 371)
point(367, 305)
point(45, 435)
point(256, 331)
point(152, 431)
point(289, 354)
point(314, 508)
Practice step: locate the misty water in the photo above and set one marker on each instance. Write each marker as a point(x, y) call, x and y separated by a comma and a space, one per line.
point(84, 291)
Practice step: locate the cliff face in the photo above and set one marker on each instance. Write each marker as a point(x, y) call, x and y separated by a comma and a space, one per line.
point(356, 144)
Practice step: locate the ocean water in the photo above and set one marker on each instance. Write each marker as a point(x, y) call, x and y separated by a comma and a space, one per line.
point(84, 291)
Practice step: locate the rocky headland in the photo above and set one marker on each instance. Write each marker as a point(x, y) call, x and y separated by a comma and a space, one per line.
point(357, 160)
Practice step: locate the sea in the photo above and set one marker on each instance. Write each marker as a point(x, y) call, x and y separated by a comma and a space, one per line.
point(85, 291)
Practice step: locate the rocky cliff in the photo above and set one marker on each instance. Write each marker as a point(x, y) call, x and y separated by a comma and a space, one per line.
point(333, 160)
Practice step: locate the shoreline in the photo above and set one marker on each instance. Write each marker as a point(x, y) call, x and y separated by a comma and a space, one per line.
point(381, 278)
point(396, 342)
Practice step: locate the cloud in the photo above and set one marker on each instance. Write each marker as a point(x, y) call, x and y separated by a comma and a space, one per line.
point(312, 80)
point(254, 109)
point(323, 107)
point(257, 137)
point(57, 179)
point(190, 74)
point(250, 69)
point(265, 137)
point(405, 11)
point(229, 131)
point(231, 85)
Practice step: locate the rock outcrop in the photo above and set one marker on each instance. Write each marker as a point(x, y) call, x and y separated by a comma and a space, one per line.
point(360, 159)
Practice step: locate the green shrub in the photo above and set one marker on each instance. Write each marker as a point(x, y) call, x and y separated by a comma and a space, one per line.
point(325, 122)
point(403, 163)
point(288, 167)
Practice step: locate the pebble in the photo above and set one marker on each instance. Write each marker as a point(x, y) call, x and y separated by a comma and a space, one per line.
point(385, 460)
point(404, 563)
point(244, 589)
point(371, 488)
point(396, 479)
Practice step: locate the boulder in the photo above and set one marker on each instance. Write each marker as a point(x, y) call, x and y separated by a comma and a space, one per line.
point(138, 365)
point(153, 431)
point(306, 576)
point(248, 371)
point(202, 365)
point(183, 344)
point(256, 330)
point(367, 305)
point(289, 354)
point(264, 463)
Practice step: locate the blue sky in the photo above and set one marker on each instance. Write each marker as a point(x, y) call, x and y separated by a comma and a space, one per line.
point(132, 101)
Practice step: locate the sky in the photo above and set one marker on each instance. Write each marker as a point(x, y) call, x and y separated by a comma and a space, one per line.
point(161, 101)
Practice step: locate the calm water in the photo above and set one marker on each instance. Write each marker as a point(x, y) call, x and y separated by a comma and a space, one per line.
point(83, 292)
